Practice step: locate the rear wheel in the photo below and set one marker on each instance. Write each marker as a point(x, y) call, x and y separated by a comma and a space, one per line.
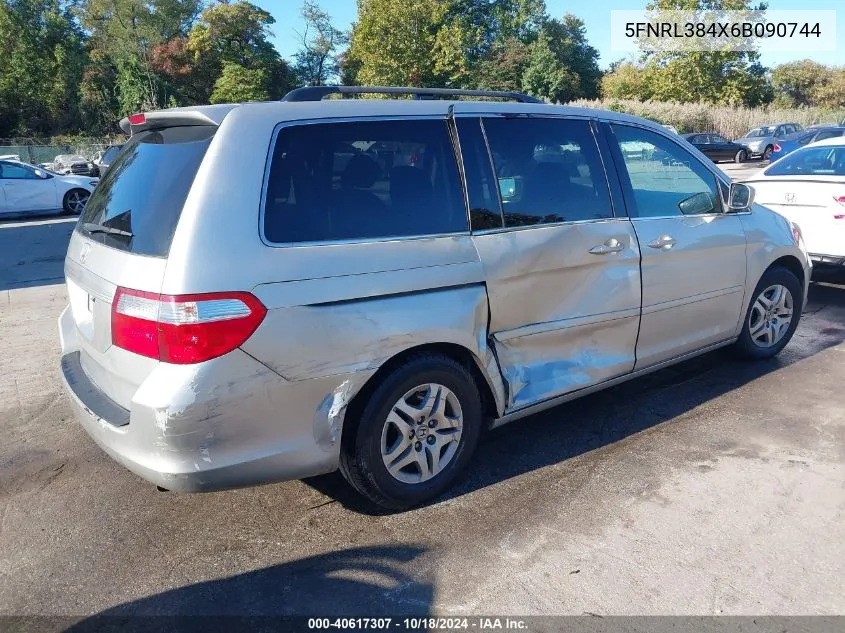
point(741, 156)
point(75, 201)
point(773, 315)
point(415, 434)
point(767, 153)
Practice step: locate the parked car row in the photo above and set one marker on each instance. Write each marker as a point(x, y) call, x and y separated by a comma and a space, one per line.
point(769, 142)
point(78, 165)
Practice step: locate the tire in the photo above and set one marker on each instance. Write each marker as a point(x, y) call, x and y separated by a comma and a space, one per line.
point(741, 156)
point(372, 433)
point(75, 200)
point(753, 342)
point(767, 153)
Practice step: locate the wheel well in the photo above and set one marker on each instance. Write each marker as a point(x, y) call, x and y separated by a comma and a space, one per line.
point(792, 265)
point(452, 350)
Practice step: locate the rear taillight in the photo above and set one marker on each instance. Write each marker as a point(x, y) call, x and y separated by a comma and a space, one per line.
point(840, 199)
point(137, 119)
point(776, 147)
point(183, 329)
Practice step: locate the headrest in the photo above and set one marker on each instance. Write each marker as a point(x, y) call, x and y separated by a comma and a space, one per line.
point(361, 173)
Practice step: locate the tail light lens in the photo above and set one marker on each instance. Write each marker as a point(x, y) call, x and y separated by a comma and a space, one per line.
point(840, 200)
point(183, 329)
point(776, 147)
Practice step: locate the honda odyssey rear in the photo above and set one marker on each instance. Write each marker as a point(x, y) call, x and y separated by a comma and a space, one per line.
point(270, 291)
point(151, 357)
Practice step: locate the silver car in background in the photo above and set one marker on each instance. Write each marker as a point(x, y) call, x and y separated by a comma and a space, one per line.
point(74, 165)
point(760, 141)
point(269, 291)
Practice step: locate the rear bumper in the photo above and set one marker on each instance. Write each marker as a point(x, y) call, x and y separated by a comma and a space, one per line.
point(224, 424)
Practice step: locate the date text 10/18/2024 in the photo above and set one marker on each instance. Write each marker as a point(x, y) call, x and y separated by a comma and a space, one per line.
point(419, 624)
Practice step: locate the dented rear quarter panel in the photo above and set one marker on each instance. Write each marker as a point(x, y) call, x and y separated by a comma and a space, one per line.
point(348, 323)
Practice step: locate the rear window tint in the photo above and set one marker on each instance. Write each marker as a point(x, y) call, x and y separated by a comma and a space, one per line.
point(548, 170)
point(362, 180)
point(145, 189)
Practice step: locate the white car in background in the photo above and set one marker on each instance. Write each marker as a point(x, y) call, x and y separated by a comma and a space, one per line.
point(807, 186)
point(28, 189)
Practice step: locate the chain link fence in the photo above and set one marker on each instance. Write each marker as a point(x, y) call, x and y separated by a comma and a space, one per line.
point(45, 150)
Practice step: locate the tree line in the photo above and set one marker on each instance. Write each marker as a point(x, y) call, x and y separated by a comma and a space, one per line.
point(796, 84)
point(70, 66)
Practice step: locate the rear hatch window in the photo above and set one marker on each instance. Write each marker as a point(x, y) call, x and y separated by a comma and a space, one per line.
point(137, 204)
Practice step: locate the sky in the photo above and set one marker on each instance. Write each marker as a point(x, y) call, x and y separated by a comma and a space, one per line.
point(595, 13)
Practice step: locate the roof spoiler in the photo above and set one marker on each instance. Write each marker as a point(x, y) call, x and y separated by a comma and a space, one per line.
point(318, 93)
point(141, 122)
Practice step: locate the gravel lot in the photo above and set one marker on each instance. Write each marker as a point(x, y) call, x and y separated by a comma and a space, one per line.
point(709, 488)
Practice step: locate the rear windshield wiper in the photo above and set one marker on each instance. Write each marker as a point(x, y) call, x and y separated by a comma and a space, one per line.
point(92, 227)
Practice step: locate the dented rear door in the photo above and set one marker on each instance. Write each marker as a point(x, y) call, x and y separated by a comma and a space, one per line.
point(562, 272)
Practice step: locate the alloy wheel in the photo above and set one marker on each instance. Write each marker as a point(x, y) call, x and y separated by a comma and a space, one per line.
point(76, 201)
point(422, 433)
point(770, 316)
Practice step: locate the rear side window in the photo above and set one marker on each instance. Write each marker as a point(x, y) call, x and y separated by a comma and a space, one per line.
point(363, 180)
point(143, 192)
point(811, 161)
point(482, 187)
point(548, 171)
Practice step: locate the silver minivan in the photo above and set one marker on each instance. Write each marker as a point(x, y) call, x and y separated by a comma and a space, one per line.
point(270, 291)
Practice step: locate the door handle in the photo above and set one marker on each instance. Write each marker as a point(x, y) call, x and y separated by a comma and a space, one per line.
point(664, 242)
point(610, 246)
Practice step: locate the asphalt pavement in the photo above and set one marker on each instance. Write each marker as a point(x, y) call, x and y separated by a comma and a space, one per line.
point(714, 487)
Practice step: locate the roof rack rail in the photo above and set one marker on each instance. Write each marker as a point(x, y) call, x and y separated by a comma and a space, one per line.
point(317, 93)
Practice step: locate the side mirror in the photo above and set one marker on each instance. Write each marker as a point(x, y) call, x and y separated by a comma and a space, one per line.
point(740, 197)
